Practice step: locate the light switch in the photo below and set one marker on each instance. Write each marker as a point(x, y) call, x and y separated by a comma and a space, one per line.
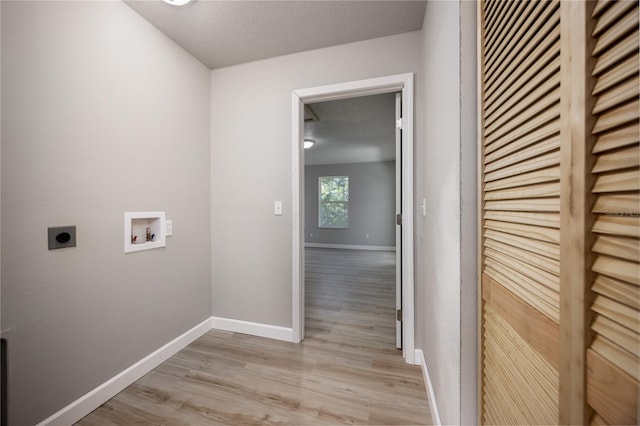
point(277, 208)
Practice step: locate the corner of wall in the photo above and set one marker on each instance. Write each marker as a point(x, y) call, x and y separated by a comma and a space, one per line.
point(468, 214)
point(435, 414)
point(84, 405)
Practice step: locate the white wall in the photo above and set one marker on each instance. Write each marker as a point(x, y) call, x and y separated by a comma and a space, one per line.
point(101, 115)
point(251, 166)
point(372, 204)
point(447, 241)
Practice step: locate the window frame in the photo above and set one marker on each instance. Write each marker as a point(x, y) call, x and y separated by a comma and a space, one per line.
point(321, 203)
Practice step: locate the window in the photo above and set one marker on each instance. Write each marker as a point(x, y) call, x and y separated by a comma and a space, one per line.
point(333, 202)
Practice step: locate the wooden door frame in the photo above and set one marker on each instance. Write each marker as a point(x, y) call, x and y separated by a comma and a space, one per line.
point(374, 86)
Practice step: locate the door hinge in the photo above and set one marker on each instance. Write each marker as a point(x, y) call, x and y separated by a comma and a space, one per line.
point(399, 123)
point(399, 315)
point(399, 219)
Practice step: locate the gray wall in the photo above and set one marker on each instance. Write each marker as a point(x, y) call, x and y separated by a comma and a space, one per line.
point(446, 244)
point(90, 92)
point(101, 115)
point(371, 204)
point(468, 215)
point(251, 166)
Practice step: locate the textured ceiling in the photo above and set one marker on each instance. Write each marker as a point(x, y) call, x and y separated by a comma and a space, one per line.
point(223, 33)
point(352, 130)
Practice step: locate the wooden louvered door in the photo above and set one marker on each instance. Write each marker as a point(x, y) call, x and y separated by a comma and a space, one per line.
point(521, 211)
point(560, 249)
point(613, 363)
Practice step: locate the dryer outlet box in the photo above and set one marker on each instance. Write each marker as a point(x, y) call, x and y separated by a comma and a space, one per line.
point(61, 237)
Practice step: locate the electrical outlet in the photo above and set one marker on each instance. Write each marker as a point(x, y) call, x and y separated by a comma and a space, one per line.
point(168, 228)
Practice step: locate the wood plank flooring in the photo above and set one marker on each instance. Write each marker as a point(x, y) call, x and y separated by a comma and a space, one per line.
point(346, 371)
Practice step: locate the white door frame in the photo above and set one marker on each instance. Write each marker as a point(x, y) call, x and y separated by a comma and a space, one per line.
point(393, 83)
point(398, 209)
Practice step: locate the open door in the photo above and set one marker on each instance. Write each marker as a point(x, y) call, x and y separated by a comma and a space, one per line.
point(399, 222)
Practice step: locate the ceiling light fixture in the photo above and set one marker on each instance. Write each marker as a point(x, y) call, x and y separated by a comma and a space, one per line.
point(177, 2)
point(308, 143)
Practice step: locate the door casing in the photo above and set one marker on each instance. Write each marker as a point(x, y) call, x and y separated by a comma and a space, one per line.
point(374, 86)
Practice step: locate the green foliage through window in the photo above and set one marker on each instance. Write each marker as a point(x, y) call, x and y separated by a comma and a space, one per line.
point(333, 205)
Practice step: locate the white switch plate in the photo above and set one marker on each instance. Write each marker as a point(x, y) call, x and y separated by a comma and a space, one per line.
point(424, 207)
point(168, 228)
point(277, 208)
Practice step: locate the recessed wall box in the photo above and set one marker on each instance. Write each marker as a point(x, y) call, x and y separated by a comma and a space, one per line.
point(61, 237)
point(143, 231)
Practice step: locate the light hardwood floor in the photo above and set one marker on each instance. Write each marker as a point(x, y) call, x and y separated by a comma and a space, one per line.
point(346, 371)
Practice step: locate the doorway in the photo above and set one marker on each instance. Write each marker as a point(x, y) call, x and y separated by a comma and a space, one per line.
point(351, 194)
point(398, 83)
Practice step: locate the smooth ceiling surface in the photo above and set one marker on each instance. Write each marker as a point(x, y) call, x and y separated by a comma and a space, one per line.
point(355, 130)
point(223, 33)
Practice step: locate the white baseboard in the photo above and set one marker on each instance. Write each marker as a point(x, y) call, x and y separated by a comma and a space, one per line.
point(252, 328)
point(350, 247)
point(98, 396)
point(427, 381)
